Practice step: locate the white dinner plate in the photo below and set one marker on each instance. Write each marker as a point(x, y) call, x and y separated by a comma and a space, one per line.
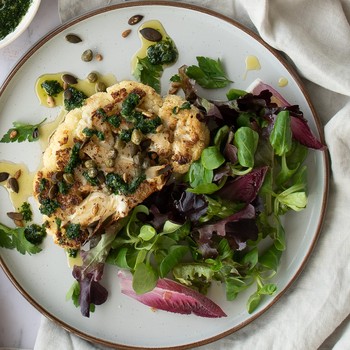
point(45, 278)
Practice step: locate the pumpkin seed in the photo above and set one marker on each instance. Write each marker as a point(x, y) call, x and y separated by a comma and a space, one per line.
point(151, 34)
point(4, 176)
point(35, 133)
point(67, 94)
point(73, 38)
point(135, 19)
point(13, 184)
point(69, 79)
point(87, 55)
point(19, 223)
point(15, 216)
point(92, 77)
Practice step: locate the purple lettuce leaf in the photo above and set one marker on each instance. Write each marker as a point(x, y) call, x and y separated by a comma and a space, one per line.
point(191, 206)
point(299, 125)
point(244, 188)
point(238, 228)
point(90, 273)
point(172, 296)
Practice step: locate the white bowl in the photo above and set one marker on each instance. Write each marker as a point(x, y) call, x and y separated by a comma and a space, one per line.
point(22, 26)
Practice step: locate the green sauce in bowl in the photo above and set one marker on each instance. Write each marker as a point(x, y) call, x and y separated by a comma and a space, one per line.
point(11, 14)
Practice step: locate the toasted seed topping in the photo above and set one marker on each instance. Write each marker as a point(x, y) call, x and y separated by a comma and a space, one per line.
point(73, 38)
point(135, 19)
point(13, 184)
point(126, 33)
point(151, 34)
point(69, 79)
point(15, 216)
point(4, 176)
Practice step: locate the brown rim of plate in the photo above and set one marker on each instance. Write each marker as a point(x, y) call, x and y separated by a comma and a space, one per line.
point(302, 88)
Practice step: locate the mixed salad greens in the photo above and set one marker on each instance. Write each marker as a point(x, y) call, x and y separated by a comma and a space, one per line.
point(222, 221)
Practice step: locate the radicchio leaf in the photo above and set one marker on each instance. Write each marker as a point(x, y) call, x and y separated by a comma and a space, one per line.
point(244, 188)
point(300, 129)
point(172, 296)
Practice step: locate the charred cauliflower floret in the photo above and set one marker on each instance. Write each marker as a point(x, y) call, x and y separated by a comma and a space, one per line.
point(110, 155)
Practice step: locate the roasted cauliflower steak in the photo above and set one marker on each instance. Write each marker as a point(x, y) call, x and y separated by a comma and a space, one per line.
point(110, 155)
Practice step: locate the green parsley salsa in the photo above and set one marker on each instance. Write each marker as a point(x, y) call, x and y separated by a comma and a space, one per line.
point(11, 13)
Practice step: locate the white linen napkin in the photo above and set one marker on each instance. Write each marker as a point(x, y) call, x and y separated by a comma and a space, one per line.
point(315, 35)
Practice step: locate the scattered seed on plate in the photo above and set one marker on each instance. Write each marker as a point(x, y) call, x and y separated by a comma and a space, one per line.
point(35, 133)
point(4, 176)
point(73, 38)
point(135, 19)
point(151, 34)
point(99, 57)
point(14, 215)
point(13, 184)
point(67, 94)
point(69, 79)
point(126, 33)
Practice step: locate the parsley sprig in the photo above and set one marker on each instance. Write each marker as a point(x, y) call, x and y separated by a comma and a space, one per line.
point(22, 132)
point(14, 238)
point(209, 73)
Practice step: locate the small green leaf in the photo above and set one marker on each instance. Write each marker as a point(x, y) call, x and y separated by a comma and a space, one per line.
point(209, 73)
point(253, 302)
point(198, 174)
point(246, 140)
point(22, 132)
point(148, 73)
point(234, 94)
point(281, 135)
point(251, 258)
point(147, 232)
point(145, 278)
point(268, 289)
point(271, 258)
point(174, 256)
point(212, 158)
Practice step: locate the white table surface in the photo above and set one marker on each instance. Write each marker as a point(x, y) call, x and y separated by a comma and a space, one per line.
point(19, 320)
